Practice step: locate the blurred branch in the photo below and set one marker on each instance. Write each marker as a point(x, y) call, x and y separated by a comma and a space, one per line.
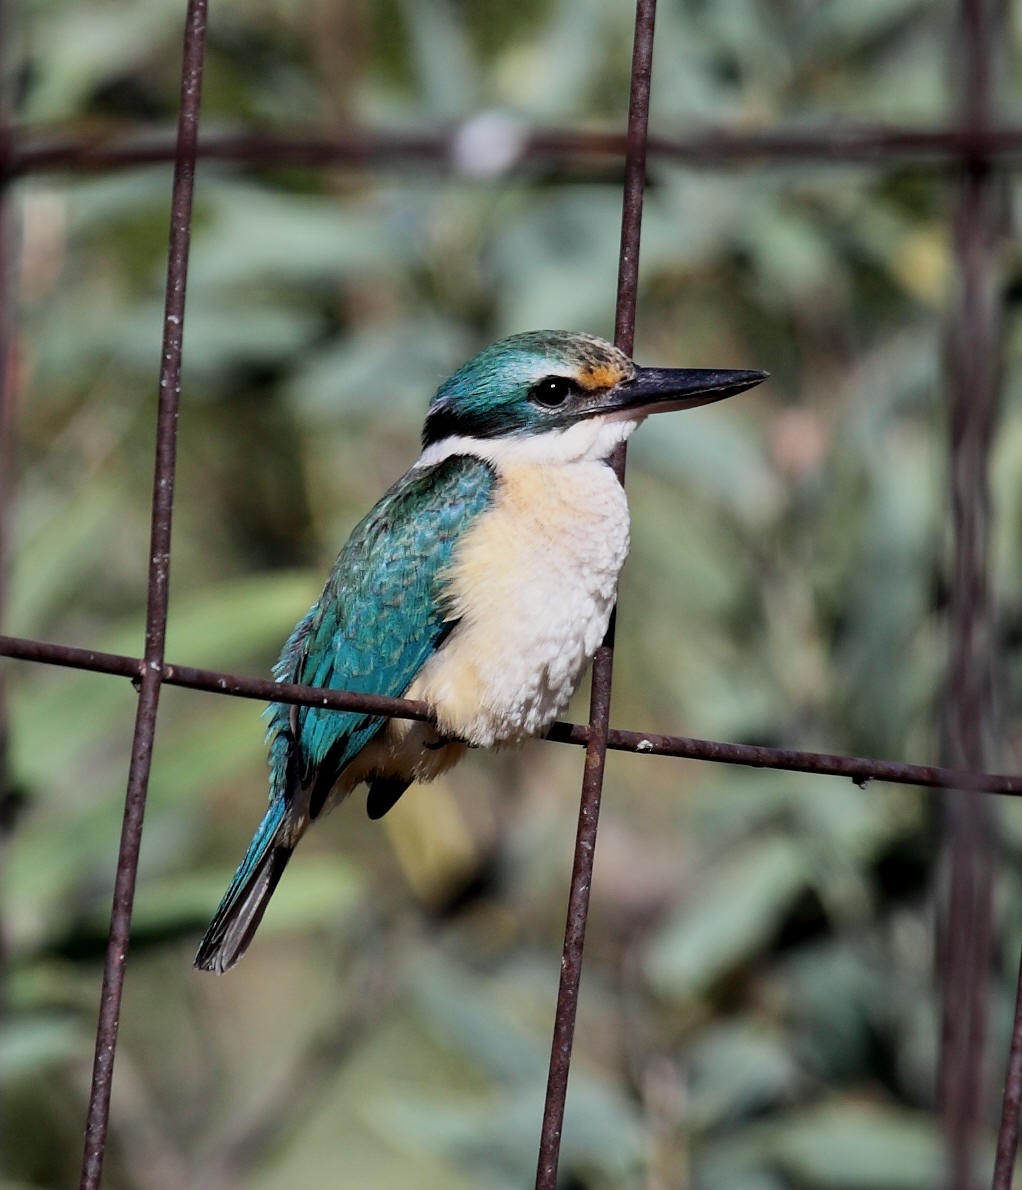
point(975, 348)
point(36, 150)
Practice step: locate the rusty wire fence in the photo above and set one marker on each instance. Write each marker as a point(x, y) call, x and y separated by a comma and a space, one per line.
point(976, 149)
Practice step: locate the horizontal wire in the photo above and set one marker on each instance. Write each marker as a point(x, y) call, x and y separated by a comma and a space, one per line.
point(30, 150)
point(856, 768)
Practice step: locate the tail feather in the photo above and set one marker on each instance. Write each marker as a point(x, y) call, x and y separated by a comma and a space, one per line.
point(241, 910)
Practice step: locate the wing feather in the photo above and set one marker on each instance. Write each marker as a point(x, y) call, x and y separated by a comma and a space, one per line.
point(380, 617)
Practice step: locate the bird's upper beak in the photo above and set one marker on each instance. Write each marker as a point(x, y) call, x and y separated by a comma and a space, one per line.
point(659, 390)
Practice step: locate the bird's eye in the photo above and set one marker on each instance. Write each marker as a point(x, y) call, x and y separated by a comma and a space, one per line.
point(552, 391)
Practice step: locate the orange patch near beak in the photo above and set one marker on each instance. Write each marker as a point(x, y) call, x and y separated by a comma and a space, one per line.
point(601, 377)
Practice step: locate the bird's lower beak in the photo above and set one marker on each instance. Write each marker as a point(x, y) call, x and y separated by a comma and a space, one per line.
point(659, 390)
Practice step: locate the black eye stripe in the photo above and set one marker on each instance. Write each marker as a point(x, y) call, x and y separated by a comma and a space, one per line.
point(552, 391)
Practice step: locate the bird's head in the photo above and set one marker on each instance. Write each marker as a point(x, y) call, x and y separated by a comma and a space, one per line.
point(571, 394)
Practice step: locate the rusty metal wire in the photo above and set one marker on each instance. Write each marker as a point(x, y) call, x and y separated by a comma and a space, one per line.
point(859, 769)
point(603, 662)
point(97, 1121)
point(975, 145)
point(1011, 1109)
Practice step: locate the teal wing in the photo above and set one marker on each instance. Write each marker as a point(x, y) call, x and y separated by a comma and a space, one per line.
point(379, 619)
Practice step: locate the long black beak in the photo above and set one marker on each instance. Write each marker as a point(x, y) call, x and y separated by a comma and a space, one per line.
point(658, 390)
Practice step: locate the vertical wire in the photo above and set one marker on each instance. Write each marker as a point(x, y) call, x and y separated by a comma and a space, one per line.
point(974, 346)
point(1007, 1134)
point(599, 706)
point(987, 20)
point(7, 389)
point(8, 797)
point(97, 1122)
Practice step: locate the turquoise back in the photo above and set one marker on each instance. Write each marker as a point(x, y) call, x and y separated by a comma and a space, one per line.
point(380, 617)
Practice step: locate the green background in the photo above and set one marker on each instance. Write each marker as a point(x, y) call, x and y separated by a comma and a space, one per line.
point(758, 1008)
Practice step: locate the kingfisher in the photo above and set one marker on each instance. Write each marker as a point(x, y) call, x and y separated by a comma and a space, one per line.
point(481, 584)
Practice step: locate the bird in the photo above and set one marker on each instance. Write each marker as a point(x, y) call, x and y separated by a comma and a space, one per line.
point(481, 584)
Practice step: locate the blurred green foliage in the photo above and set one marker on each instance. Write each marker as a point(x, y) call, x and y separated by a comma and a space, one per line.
point(758, 1009)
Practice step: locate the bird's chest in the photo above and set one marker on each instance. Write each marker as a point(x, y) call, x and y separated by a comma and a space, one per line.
point(532, 584)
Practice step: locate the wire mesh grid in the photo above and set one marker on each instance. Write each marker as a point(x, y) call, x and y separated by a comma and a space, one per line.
point(978, 148)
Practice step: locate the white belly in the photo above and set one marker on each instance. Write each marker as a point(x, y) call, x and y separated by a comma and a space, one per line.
point(532, 585)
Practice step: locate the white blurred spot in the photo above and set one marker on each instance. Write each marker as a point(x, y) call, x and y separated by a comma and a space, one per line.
point(488, 144)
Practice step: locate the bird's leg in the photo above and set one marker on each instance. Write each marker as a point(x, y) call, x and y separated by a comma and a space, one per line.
point(442, 741)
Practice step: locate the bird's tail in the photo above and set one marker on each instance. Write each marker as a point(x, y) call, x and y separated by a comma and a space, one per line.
point(241, 910)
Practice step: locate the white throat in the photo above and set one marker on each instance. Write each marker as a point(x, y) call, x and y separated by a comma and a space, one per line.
point(586, 441)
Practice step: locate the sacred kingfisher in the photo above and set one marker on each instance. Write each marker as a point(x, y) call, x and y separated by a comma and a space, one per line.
point(481, 583)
